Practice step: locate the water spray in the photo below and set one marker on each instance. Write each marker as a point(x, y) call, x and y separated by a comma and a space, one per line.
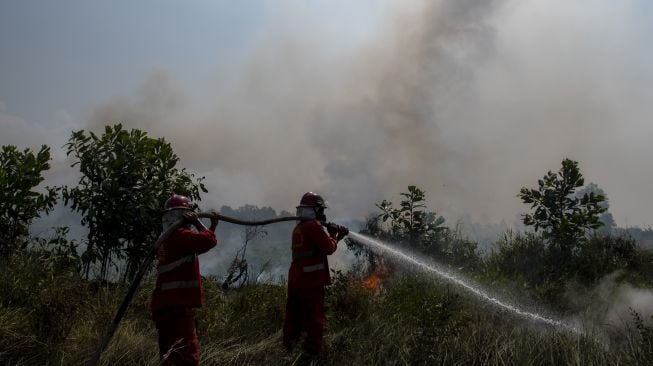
point(462, 283)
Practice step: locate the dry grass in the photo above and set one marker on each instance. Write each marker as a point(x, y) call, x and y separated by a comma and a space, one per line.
point(413, 321)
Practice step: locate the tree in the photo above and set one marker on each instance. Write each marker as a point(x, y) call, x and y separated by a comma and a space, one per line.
point(126, 177)
point(411, 225)
point(562, 216)
point(20, 202)
point(411, 222)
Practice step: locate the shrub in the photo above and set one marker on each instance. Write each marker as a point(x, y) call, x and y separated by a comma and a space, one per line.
point(20, 203)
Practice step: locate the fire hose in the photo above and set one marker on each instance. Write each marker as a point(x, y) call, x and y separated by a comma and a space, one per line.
point(148, 261)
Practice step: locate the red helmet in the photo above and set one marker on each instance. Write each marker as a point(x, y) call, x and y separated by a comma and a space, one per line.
point(179, 202)
point(310, 199)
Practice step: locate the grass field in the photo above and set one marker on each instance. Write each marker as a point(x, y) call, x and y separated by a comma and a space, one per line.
point(412, 319)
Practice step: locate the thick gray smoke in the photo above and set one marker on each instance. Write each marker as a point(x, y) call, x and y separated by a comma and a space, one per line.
point(469, 100)
point(359, 127)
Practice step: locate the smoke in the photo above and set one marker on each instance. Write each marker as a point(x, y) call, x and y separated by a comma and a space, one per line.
point(610, 306)
point(26, 134)
point(19, 132)
point(469, 100)
point(357, 128)
point(626, 300)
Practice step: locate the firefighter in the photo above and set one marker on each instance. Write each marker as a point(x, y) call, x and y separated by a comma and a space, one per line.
point(312, 241)
point(178, 284)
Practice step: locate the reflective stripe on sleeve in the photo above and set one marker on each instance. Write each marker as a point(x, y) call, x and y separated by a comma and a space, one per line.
point(179, 284)
point(313, 268)
point(172, 265)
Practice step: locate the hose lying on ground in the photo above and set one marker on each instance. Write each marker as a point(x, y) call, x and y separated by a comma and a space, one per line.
point(148, 261)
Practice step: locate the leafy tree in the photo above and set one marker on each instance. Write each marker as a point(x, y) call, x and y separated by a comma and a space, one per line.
point(20, 203)
point(411, 225)
point(562, 216)
point(410, 222)
point(126, 177)
point(565, 212)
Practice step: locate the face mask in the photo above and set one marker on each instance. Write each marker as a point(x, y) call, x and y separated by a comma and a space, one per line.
point(306, 213)
point(320, 215)
point(170, 217)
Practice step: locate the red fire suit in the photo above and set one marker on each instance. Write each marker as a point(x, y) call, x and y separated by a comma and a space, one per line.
point(307, 277)
point(178, 290)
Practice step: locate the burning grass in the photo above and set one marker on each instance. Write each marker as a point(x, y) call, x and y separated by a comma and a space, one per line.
point(376, 279)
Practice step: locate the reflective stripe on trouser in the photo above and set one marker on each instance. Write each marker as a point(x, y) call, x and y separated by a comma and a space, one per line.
point(172, 265)
point(179, 284)
point(313, 268)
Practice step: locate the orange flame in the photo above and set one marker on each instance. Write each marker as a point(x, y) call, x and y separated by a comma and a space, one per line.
point(372, 282)
point(376, 278)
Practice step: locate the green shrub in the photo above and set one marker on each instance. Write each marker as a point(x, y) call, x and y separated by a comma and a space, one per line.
point(531, 262)
point(601, 255)
point(347, 300)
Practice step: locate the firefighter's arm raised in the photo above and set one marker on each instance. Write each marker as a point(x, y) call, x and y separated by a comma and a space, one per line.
point(200, 241)
point(191, 218)
point(325, 243)
point(336, 231)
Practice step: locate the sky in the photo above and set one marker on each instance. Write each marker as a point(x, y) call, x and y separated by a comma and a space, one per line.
point(468, 99)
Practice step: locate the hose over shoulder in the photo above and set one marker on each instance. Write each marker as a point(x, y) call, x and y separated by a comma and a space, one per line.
point(246, 222)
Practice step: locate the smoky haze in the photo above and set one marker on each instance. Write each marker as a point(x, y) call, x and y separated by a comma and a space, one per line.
point(469, 100)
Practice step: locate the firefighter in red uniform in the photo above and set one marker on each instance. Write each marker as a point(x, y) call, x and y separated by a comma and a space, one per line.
point(178, 285)
point(312, 240)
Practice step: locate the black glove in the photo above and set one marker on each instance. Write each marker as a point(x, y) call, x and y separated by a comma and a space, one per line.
point(336, 230)
point(342, 231)
point(332, 228)
point(190, 217)
point(193, 219)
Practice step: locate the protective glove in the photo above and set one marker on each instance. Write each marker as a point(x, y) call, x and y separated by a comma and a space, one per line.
point(332, 228)
point(191, 218)
point(337, 231)
point(342, 231)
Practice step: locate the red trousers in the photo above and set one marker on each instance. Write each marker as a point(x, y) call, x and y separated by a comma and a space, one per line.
point(178, 343)
point(305, 313)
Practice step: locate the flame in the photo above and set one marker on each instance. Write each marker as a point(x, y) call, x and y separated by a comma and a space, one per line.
point(372, 282)
point(376, 278)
